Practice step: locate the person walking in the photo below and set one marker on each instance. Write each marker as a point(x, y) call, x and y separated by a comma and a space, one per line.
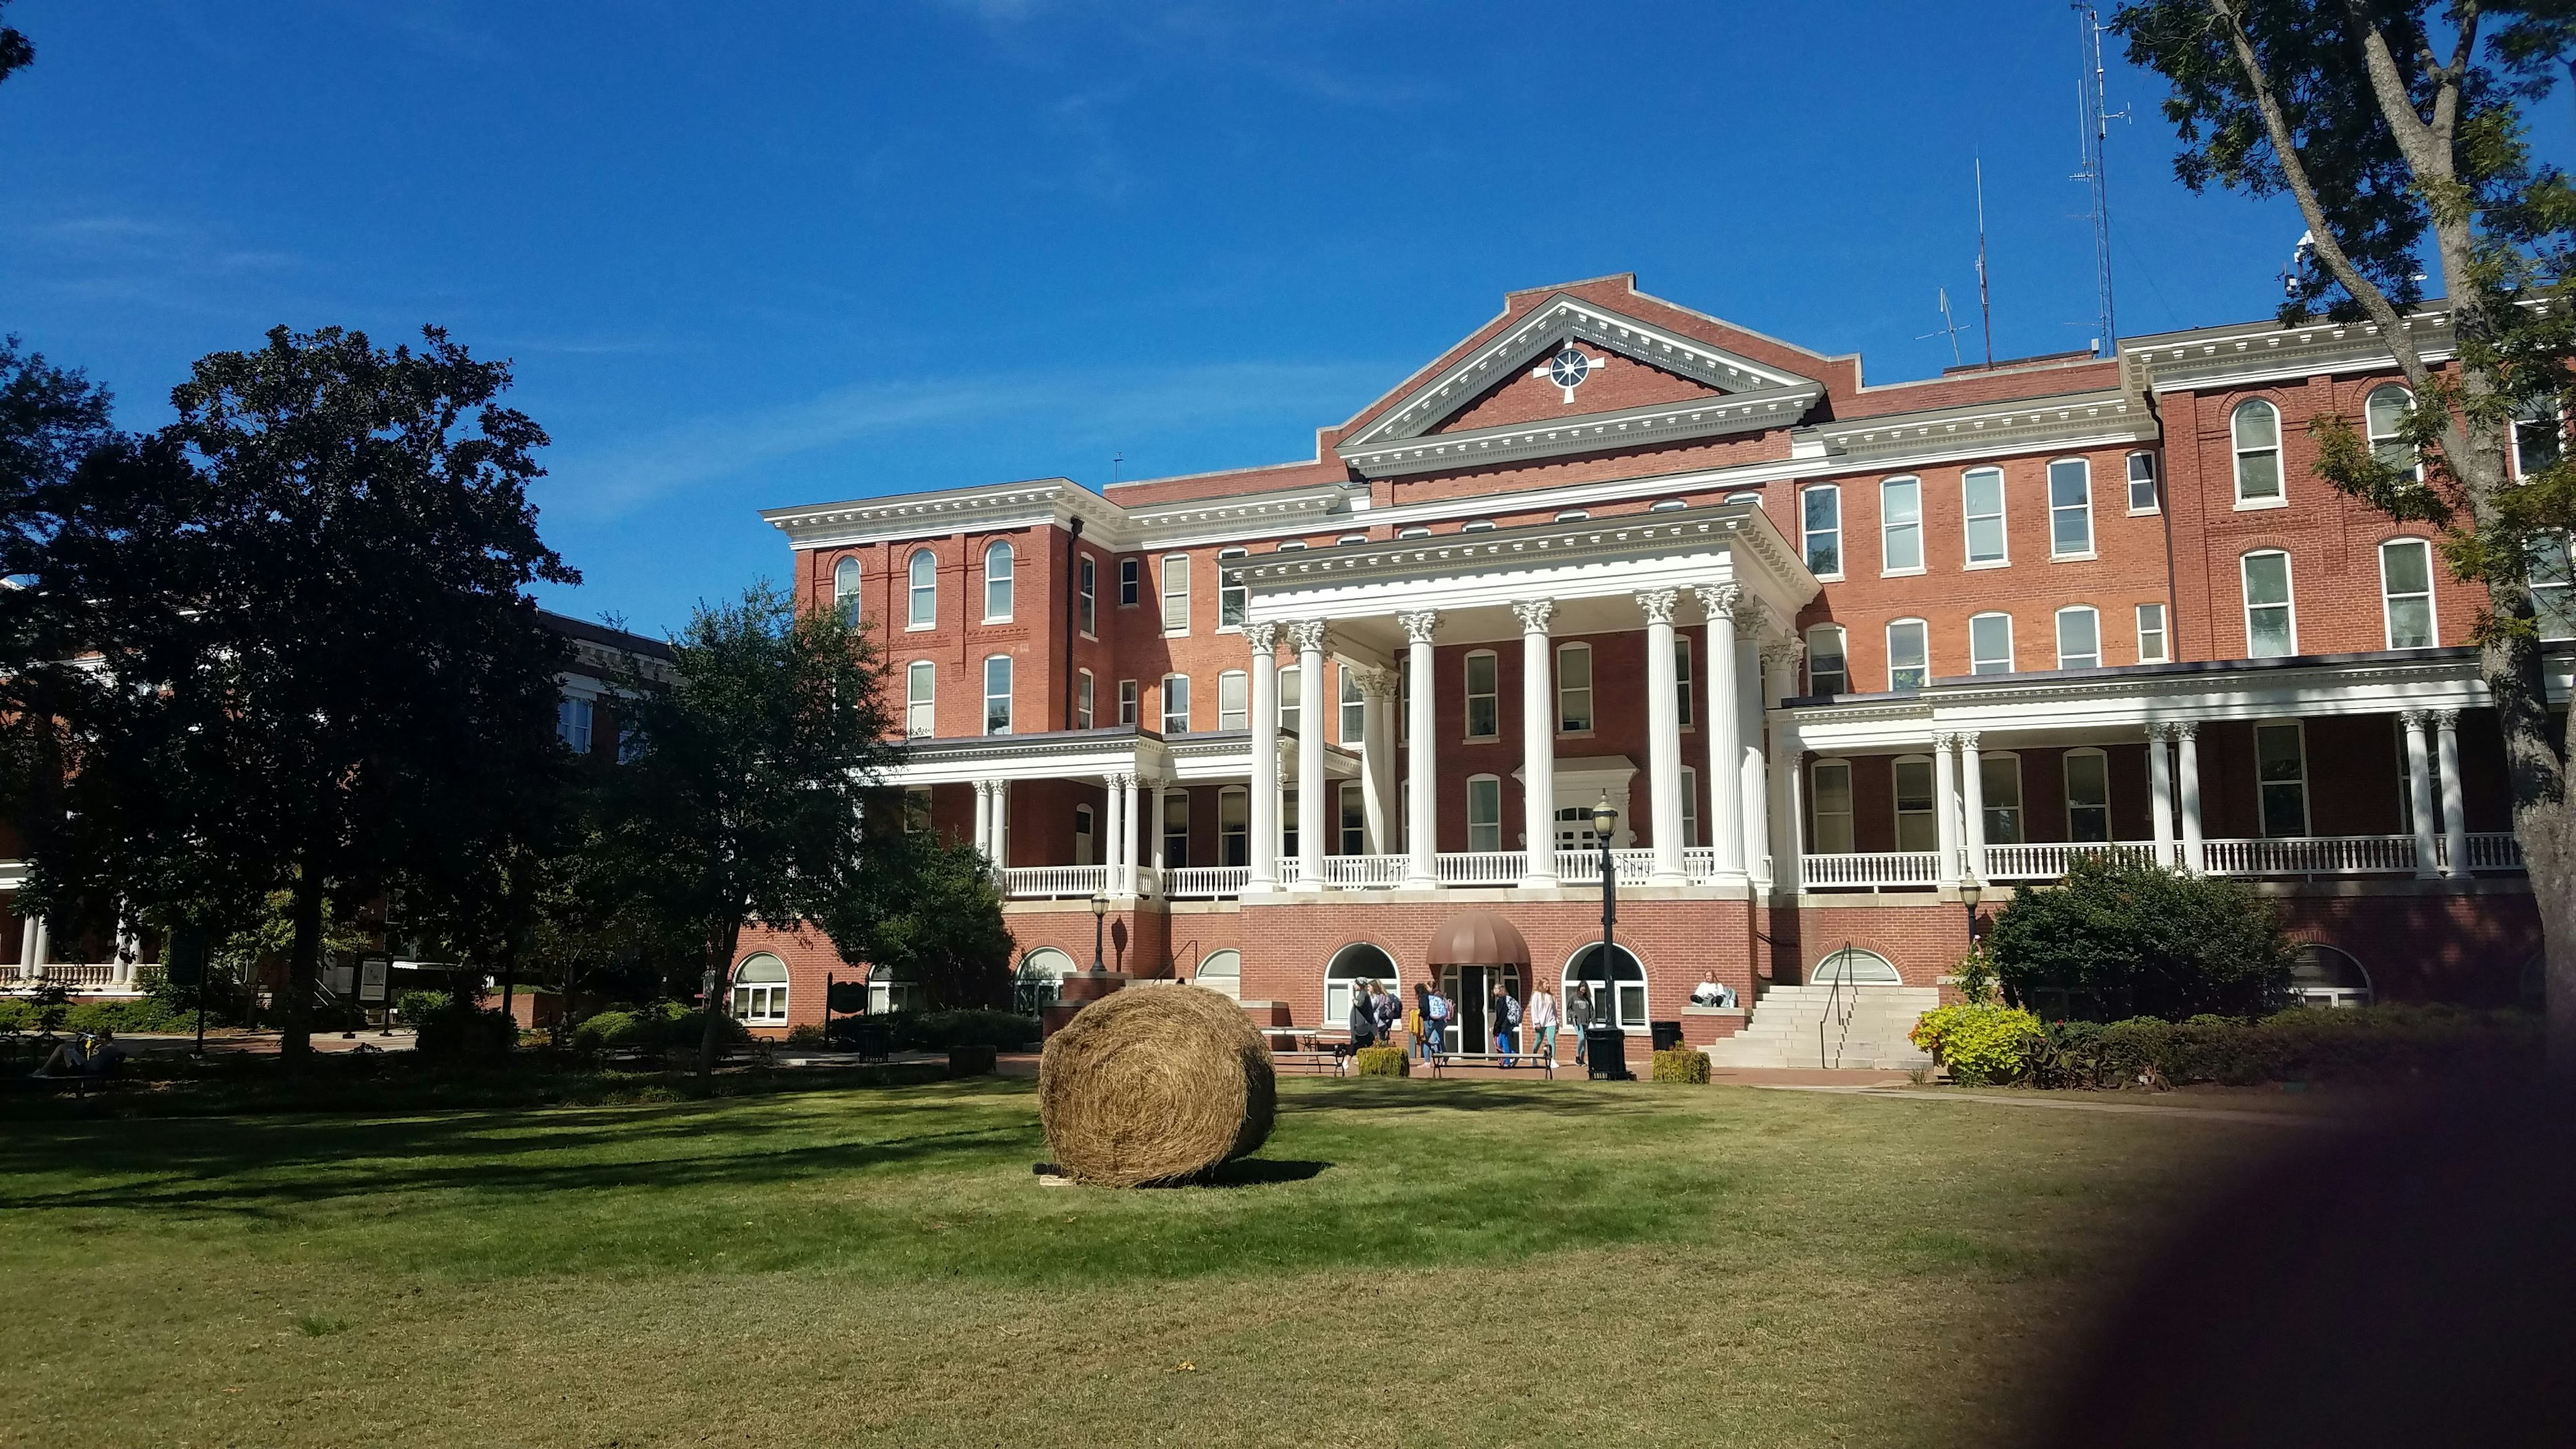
point(1389, 1009)
point(1415, 1021)
point(1578, 1015)
point(1363, 1021)
point(1436, 1028)
point(1541, 1016)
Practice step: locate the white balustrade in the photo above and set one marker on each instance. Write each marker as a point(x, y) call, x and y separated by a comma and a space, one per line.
point(1054, 882)
point(1634, 866)
point(1481, 867)
point(2312, 855)
point(1364, 872)
point(1872, 869)
point(1203, 882)
point(2497, 850)
point(2047, 860)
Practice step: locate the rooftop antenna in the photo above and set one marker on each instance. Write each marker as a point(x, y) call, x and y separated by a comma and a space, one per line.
point(2097, 130)
point(1114, 460)
point(1985, 306)
point(1950, 327)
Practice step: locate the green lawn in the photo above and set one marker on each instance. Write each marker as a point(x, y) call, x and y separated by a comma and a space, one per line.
point(1407, 1262)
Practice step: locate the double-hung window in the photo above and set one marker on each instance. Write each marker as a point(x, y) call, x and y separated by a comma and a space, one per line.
point(1828, 671)
point(1484, 812)
point(1574, 688)
point(1917, 827)
point(1682, 689)
point(1354, 720)
point(1131, 582)
point(2385, 412)
point(1234, 826)
point(2553, 586)
point(1176, 829)
point(1233, 712)
point(2406, 591)
point(1990, 644)
point(1231, 593)
point(2143, 497)
point(1909, 657)
point(1484, 713)
point(1821, 519)
point(2255, 428)
point(1127, 702)
point(2070, 508)
point(922, 577)
point(1087, 597)
point(572, 724)
point(1354, 819)
point(1833, 806)
point(2281, 774)
point(1176, 704)
point(920, 699)
point(997, 584)
point(2539, 436)
point(2151, 634)
point(2271, 627)
point(1176, 593)
point(1999, 791)
point(1900, 525)
point(845, 588)
point(1082, 699)
point(2079, 637)
point(1292, 698)
point(997, 695)
point(2088, 796)
point(1981, 497)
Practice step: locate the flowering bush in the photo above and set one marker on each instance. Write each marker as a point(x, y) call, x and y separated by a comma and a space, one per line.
point(1979, 1044)
point(1381, 1061)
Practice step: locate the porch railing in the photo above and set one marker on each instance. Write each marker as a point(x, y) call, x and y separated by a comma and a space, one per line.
point(2311, 855)
point(1583, 867)
point(1363, 872)
point(2496, 851)
point(1872, 870)
point(1204, 882)
point(2048, 860)
point(1482, 867)
point(1054, 882)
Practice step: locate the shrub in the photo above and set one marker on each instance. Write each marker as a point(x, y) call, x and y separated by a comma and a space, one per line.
point(1979, 1044)
point(2365, 1044)
point(970, 1061)
point(1681, 1064)
point(17, 1013)
point(1381, 1061)
point(414, 1007)
point(940, 1031)
point(805, 1034)
point(129, 1016)
point(466, 1033)
point(2128, 939)
point(651, 1026)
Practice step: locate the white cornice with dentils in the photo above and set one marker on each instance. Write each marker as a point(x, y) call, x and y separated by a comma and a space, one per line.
point(2223, 357)
point(1992, 430)
point(1660, 423)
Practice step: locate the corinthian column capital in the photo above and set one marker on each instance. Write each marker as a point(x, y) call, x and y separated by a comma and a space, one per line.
point(1420, 625)
point(1534, 614)
point(1658, 604)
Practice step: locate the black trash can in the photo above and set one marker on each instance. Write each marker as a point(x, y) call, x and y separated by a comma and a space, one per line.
point(1668, 1035)
point(1606, 1051)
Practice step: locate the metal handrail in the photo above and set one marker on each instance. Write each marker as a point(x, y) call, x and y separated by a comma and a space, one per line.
point(1838, 1011)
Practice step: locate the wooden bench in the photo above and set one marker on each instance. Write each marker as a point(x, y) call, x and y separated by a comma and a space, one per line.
point(1520, 1061)
point(1310, 1051)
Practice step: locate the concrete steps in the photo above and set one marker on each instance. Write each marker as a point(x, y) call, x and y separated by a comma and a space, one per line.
point(1783, 1029)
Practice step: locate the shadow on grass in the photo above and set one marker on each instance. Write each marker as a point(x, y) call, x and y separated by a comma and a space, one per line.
point(1256, 1171)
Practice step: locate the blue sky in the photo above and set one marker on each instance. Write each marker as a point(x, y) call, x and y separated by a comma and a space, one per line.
point(766, 253)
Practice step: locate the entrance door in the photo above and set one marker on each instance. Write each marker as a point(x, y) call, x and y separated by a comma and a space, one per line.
point(1574, 829)
point(1469, 991)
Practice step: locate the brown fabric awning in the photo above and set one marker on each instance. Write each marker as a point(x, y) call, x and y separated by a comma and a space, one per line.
point(1478, 938)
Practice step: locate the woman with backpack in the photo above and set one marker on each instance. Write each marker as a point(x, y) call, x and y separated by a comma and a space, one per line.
point(1578, 1015)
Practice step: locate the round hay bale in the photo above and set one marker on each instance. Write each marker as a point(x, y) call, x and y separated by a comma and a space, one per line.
point(1155, 1086)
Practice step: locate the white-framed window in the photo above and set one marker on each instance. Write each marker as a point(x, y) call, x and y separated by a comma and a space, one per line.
point(1829, 790)
point(2151, 634)
point(997, 695)
point(1484, 812)
point(572, 724)
point(1690, 808)
point(1233, 596)
point(2539, 436)
point(2070, 508)
point(2281, 774)
point(1128, 692)
point(760, 991)
point(1234, 826)
point(1667, 505)
point(1682, 689)
point(1999, 791)
point(1909, 655)
point(922, 578)
point(1574, 689)
point(1087, 595)
point(2079, 637)
point(1176, 704)
point(2271, 624)
point(1404, 699)
point(920, 699)
point(2406, 592)
point(1624, 972)
point(1086, 836)
point(1233, 703)
point(2144, 496)
point(1484, 712)
point(2255, 428)
point(1990, 644)
point(1131, 582)
point(997, 583)
point(1828, 668)
point(1917, 828)
point(1291, 546)
point(1574, 515)
point(1981, 503)
point(2384, 413)
point(1900, 526)
point(1354, 720)
point(1476, 525)
point(1176, 828)
point(1292, 698)
point(1083, 692)
point(1820, 511)
point(2552, 577)
point(917, 819)
point(2323, 977)
point(1176, 593)
point(2088, 796)
point(845, 587)
point(1287, 824)
point(1416, 531)
point(1352, 815)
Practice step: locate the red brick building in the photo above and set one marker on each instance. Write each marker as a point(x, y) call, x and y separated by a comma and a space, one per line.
point(1831, 649)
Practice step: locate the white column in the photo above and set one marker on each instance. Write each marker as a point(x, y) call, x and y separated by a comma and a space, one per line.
point(1663, 736)
point(1745, 774)
point(1111, 799)
point(2419, 794)
point(1377, 757)
point(1725, 729)
point(1264, 823)
point(1002, 824)
point(1778, 681)
point(1312, 787)
point(984, 817)
point(1422, 871)
point(1945, 806)
point(1972, 808)
point(1162, 811)
point(1130, 838)
point(2160, 790)
point(1538, 743)
point(2455, 819)
point(2187, 788)
point(27, 946)
point(1789, 848)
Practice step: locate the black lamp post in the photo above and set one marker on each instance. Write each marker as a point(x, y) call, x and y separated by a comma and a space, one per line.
point(1099, 919)
point(1970, 890)
point(1606, 1044)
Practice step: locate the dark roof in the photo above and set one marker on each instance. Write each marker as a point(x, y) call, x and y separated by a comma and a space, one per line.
point(604, 636)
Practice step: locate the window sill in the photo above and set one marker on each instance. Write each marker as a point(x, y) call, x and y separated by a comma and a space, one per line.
point(920, 628)
point(1980, 565)
point(1566, 734)
point(2144, 512)
point(1916, 572)
point(1829, 578)
point(2087, 556)
point(2252, 505)
point(1087, 634)
point(1004, 619)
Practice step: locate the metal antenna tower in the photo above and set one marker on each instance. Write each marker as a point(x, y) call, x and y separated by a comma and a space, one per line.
point(1950, 327)
point(2097, 130)
point(1985, 305)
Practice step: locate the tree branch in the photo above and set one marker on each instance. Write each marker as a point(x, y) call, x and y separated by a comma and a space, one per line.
point(2415, 136)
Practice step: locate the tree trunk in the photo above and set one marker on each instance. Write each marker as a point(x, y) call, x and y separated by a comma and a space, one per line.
point(303, 969)
point(721, 943)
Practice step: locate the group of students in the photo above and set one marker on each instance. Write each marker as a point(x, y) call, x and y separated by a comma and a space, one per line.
point(1376, 1013)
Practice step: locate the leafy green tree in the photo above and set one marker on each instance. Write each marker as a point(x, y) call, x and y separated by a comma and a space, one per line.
point(929, 913)
point(2398, 128)
point(748, 761)
point(16, 52)
point(2123, 940)
point(315, 664)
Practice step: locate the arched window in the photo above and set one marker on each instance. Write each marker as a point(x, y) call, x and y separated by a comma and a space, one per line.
point(1085, 695)
point(997, 695)
point(2256, 428)
point(1476, 525)
point(1855, 967)
point(885, 993)
point(1820, 512)
point(997, 584)
point(1667, 505)
point(2386, 412)
point(1042, 974)
point(1585, 970)
point(2324, 976)
point(1221, 972)
point(1351, 967)
point(1573, 515)
point(1176, 704)
point(2079, 637)
point(845, 586)
point(1828, 668)
point(1574, 688)
point(2406, 591)
point(1981, 505)
point(923, 573)
point(1176, 593)
point(1416, 531)
point(760, 991)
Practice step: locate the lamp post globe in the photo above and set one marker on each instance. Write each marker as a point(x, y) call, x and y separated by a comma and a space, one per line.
point(1099, 919)
point(1971, 891)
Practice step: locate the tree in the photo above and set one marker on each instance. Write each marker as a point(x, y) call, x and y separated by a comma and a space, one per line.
point(928, 913)
point(16, 52)
point(748, 761)
point(2394, 123)
point(315, 667)
point(51, 421)
point(2123, 940)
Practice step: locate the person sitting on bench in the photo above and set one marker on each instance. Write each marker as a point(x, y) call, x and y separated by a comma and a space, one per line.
point(87, 1054)
point(1711, 993)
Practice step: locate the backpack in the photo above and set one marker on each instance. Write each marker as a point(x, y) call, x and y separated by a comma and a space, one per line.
point(1439, 1007)
point(1511, 1012)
